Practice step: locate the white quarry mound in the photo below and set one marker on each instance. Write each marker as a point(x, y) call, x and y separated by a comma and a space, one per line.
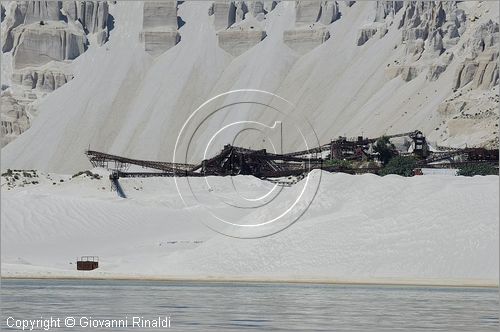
point(425, 230)
point(385, 68)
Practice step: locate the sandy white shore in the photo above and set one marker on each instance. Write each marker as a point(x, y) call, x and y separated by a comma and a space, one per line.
point(130, 277)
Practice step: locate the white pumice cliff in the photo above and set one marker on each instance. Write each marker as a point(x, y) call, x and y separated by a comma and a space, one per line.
point(160, 26)
point(123, 77)
point(39, 39)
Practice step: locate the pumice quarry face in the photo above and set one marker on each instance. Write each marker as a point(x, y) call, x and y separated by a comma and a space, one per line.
point(115, 75)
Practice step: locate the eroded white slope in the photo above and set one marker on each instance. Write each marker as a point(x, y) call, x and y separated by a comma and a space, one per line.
point(428, 229)
point(123, 101)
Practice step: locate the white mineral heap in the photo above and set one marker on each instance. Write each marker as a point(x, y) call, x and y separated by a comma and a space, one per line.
point(127, 75)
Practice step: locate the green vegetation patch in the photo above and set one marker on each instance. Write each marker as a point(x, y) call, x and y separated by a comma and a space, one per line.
point(477, 169)
point(400, 165)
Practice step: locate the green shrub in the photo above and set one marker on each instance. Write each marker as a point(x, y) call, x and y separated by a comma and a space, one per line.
point(477, 169)
point(88, 173)
point(385, 149)
point(399, 165)
point(339, 163)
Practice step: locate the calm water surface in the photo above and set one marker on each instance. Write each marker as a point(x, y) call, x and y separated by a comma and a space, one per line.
point(201, 306)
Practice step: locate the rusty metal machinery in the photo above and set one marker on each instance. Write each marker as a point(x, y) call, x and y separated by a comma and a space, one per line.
point(234, 160)
point(109, 161)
